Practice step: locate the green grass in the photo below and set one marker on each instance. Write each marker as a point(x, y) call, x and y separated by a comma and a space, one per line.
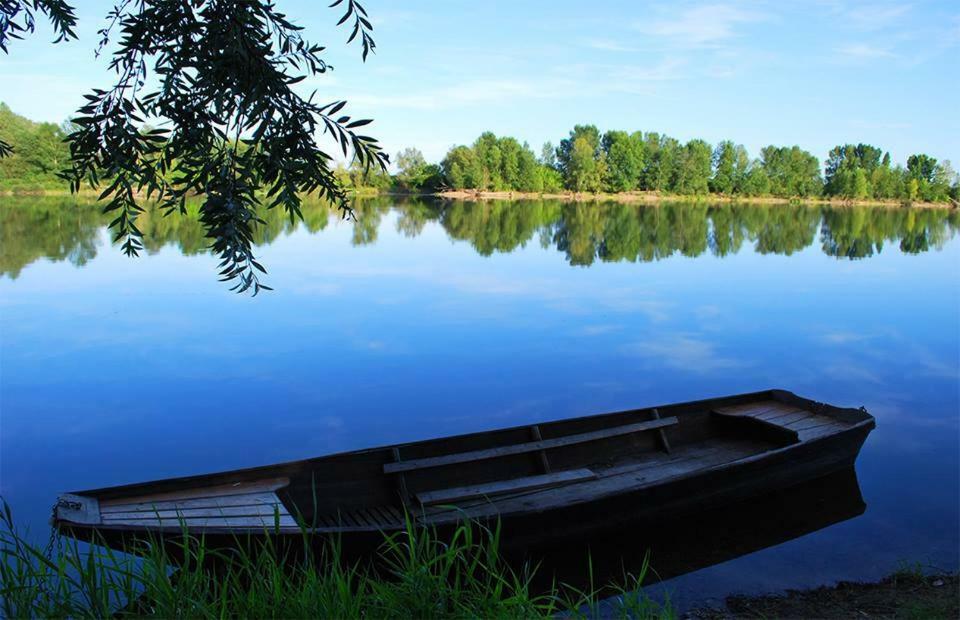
point(416, 574)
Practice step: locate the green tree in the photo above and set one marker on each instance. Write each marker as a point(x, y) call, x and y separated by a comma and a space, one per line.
point(921, 167)
point(584, 168)
point(529, 174)
point(461, 168)
point(548, 155)
point(552, 180)
point(414, 174)
point(841, 177)
point(861, 187)
point(624, 159)
point(411, 165)
point(933, 179)
point(692, 168)
point(730, 166)
point(218, 78)
point(579, 159)
point(661, 152)
point(39, 156)
point(368, 177)
point(792, 171)
point(756, 182)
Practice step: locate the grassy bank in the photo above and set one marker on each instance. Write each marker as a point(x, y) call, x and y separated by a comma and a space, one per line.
point(416, 574)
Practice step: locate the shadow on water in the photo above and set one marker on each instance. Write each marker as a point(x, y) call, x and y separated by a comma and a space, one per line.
point(60, 229)
point(681, 545)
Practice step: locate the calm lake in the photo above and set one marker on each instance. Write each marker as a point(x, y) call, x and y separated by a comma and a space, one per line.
point(421, 319)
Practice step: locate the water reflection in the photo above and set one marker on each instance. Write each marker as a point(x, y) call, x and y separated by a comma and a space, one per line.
point(60, 229)
point(678, 546)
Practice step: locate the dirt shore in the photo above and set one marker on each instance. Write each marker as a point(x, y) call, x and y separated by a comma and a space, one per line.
point(903, 595)
point(654, 198)
point(625, 197)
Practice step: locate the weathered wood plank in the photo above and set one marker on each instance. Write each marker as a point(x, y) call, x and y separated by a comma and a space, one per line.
point(379, 516)
point(224, 501)
point(237, 488)
point(754, 408)
point(505, 486)
point(785, 418)
point(213, 512)
point(544, 461)
point(391, 515)
point(780, 414)
point(533, 446)
point(404, 492)
point(240, 522)
point(812, 422)
point(688, 461)
point(661, 433)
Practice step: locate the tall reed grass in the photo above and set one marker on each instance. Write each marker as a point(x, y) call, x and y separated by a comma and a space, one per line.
point(416, 573)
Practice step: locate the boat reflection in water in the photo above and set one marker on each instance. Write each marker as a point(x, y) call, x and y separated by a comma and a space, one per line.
point(683, 544)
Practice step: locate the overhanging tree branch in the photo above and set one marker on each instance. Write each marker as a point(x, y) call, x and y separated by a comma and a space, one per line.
point(216, 79)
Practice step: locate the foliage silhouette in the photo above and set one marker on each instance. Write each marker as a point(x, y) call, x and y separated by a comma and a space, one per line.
point(217, 82)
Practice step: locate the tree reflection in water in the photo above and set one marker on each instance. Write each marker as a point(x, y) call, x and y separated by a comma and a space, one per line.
point(585, 233)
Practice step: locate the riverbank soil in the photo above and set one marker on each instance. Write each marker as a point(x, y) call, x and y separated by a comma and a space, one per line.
point(909, 596)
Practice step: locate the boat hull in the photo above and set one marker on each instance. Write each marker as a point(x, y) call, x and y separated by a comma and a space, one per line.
point(623, 466)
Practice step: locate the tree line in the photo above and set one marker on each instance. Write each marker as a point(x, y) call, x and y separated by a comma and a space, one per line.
point(585, 161)
point(620, 161)
point(39, 155)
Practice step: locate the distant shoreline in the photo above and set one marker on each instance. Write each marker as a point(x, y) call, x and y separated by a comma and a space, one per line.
point(651, 198)
point(654, 198)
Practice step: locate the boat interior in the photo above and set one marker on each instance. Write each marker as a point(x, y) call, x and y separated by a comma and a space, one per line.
point(534, 467)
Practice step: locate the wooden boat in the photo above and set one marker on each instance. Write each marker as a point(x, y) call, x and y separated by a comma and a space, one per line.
point(663, 459)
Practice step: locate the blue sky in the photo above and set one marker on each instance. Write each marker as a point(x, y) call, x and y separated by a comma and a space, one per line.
point(812, 73)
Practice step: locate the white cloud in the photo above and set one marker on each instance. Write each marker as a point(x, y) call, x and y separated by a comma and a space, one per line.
point(706, 25)
point(864, 51)
point(877, 16)
point(609, 45)
point(843, 337)
point(684, 352)
point(575, 80)
point(598, 330)
point(848, 370)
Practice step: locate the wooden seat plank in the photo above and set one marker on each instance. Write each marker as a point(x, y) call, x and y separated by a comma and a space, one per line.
point(243, 522)
point(778, 414)
point(228, 511)
point(785, 419)
point(533, 446)
point(505, 486)
point(754, 408)
point(222, 490)
point(249, 499)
